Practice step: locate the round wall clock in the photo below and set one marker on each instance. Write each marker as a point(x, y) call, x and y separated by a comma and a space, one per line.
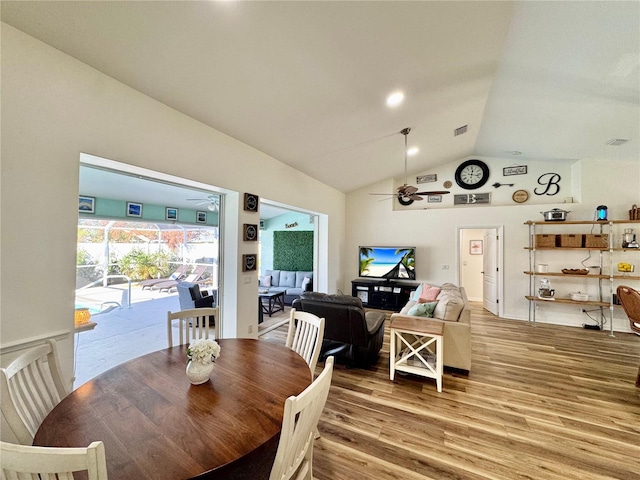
point(520, 196)
point(472, 174)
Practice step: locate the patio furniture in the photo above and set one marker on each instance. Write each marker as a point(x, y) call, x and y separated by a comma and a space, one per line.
point(31, 386)
point(196, 276)
point(180, 272)
point(190, 296)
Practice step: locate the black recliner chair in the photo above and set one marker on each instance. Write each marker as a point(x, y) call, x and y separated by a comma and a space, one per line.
point(190, 296)
point(350, 333)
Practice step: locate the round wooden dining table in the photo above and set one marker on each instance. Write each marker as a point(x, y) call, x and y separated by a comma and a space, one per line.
point(156, 425)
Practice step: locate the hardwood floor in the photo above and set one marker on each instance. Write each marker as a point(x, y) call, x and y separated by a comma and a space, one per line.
point(543, 402)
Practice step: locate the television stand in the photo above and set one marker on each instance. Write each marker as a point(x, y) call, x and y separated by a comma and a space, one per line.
point(383, 293)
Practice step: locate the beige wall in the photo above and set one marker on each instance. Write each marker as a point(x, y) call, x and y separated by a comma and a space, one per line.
point(54, 108)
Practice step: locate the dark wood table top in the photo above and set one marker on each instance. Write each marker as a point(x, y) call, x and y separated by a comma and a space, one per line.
point(156, 425)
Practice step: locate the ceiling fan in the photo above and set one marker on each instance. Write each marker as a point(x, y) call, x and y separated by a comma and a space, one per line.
point(407, 194)
point(212, 202)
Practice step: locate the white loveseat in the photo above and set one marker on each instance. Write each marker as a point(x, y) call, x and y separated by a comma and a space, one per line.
point(453, 310)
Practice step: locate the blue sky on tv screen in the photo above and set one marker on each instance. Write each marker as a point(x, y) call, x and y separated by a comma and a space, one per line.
point(386, 255)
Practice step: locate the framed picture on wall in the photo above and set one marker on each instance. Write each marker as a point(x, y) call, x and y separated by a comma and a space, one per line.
point(475, 247)
point(86, 204)
point(171, 213)
point(134, 209)
point(201, 217)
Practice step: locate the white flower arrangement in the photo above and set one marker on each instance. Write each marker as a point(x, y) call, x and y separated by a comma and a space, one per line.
point(203, 350)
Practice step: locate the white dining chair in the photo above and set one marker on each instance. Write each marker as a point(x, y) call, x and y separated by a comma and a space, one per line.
point(305, 335)
point(294, 458)
point(30, 386)
point(22, 461)
point(193, 324)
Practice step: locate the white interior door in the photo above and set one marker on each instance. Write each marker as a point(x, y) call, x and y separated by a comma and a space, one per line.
point(490, 272)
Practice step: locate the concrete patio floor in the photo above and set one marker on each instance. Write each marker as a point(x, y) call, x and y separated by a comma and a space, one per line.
point(124, 333)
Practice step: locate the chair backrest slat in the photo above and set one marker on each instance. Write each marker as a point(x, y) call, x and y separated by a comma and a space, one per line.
point(301, 415)
point(26, 462)
point(193, 324)
point(31, 386)
point(305, 335)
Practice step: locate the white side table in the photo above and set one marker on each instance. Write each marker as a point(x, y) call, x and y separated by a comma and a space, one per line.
point(416, 347)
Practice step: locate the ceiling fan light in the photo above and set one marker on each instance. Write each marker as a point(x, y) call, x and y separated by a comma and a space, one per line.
point(212, 207)
point(412, 151)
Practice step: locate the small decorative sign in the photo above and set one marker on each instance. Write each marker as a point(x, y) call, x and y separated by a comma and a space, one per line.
point(291, 225)
point(432, 177)
point(472, 199)
point(201, 217)
point(249, 262)
point(551, 183)
point(250, 232)
point(434, 199)
point(251, 202)
point(514, 170)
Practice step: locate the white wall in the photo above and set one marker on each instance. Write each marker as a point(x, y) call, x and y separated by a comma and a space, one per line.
point(595, 181)
point(54, 108)
point(471, 265)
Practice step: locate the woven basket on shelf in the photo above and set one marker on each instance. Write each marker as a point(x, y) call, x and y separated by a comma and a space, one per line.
point(571, 240)
point(596, 241)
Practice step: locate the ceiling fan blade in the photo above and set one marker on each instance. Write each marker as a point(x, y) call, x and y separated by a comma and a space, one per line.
point(435, 192)
point(416, 197)
point(407, 190)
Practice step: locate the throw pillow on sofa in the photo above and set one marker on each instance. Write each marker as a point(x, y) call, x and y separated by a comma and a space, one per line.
point(423, 309)
point(450, 304)
point(417, 293)
point(429, 293)
point(265, 281)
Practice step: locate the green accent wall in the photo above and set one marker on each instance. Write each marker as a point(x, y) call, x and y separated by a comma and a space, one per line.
point(293, 251)
point(117, 209)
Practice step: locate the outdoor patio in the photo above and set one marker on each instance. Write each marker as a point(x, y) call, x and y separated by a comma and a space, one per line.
point(125, 333)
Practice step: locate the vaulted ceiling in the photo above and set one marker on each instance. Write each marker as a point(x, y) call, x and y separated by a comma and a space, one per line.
point(306, 82)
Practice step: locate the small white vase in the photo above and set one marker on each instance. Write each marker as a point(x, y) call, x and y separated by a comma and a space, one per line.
point(198, 373)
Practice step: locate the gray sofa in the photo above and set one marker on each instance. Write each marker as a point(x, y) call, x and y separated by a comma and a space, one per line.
point(454, 312)
point(290, 282)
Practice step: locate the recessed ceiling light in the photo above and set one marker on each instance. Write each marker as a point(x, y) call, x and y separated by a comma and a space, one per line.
point(395, 99)
point(412, 151)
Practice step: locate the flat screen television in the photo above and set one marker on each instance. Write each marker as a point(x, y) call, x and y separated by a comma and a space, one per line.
point(387, 262)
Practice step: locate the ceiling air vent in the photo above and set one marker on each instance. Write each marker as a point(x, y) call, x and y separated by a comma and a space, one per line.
point(617, 141)
point(460, 130)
